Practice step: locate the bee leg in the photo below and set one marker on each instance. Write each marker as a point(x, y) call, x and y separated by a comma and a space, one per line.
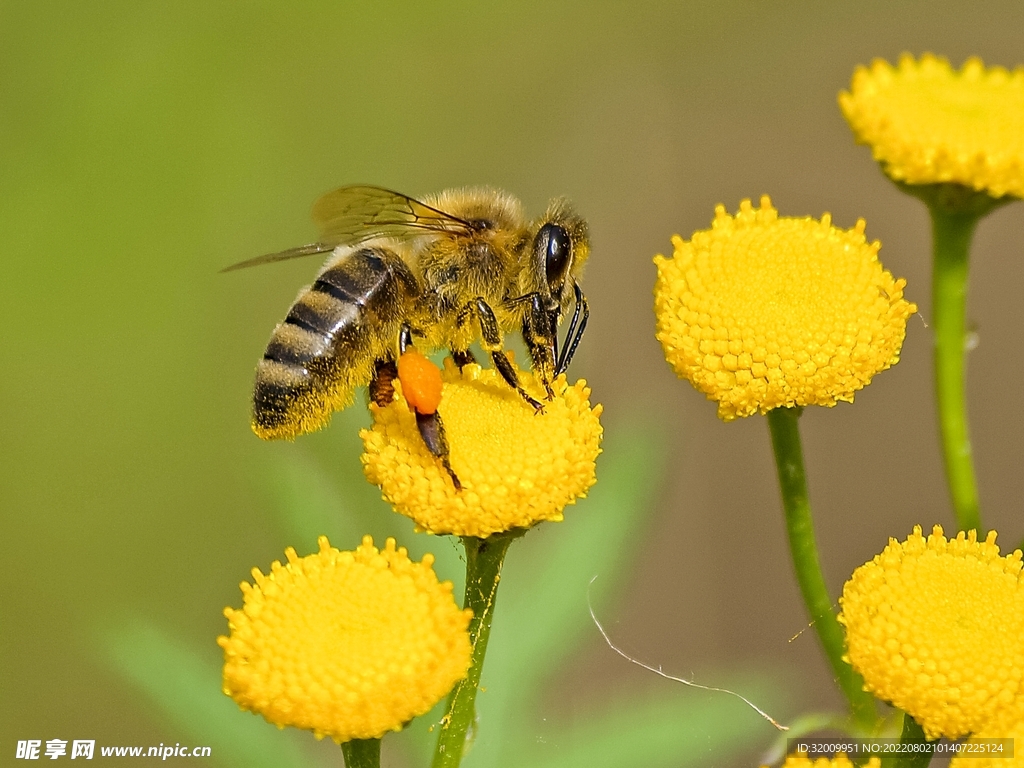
point(463, 357)
point(432, 431)
point(404, 338)
point(577, 326)
point(508, 373)
point(539, 334)
point(382, 388)
point(418, 375)
point(492, 342)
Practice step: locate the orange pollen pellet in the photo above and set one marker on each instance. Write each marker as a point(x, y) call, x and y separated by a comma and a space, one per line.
point(421, 381)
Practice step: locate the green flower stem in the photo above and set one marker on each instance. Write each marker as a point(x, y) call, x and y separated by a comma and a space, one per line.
point(951, 233)
point(361, 753)
point(955, 211)
point(912, 734)
point(483, 572)
point(784, 426)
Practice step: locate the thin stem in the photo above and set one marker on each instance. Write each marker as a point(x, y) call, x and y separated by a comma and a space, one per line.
point(912, 734)
point(484, 558)
point(361, 753)
point(955, 211)
point(951, 235)
point(784, 426)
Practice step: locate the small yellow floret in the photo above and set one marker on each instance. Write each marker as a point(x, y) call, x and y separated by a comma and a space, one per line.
point(928, 124)
point(349, 645)
point(936, 627)
point(760, 311)
point(839, 761)
point(1008, 723)
point(517, 467)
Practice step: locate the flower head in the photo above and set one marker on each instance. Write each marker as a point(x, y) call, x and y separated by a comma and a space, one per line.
point(928, 124)
point(839, 761)
point(350, 645)
point(936, 627)
point(760, 311)
point(517, 466)
point(1007, 723)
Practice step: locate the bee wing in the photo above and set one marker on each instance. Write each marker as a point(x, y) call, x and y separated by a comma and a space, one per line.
point(353, 214)
point(350, 215)
point(291, 253)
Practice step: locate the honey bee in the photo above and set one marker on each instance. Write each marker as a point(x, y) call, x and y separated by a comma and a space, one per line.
point(459, 266)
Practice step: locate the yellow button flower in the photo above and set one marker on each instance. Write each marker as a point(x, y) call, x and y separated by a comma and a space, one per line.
point(517, 467)
point(1007, 723)
point(928, 124)
point(350, 645)
point(839, 761)
point(936, 627)
point(760, 311)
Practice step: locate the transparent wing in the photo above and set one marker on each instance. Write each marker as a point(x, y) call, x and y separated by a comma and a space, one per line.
point(352, 214)
point(291, 253)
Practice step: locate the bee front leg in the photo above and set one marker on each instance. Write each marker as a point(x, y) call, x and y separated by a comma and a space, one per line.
point(576, 328)
point(539, 334)
point(493, 343)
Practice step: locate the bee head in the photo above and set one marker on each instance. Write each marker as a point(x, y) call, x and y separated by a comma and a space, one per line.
point(560, 247)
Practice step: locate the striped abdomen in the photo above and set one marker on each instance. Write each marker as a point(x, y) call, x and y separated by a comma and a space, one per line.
point(327, 344)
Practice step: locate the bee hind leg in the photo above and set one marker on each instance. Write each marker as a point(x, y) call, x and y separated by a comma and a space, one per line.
point(432, 431)
point(463, 357)
point(418, 376)
point(382, 387)
point(404, 338)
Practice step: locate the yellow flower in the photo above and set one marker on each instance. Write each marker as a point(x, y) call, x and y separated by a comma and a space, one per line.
point(1008, 723)
point(936, 627)
point(839, 761)
point(929, 124)
point(347, 644)
point(760, 311)
point(517, 466)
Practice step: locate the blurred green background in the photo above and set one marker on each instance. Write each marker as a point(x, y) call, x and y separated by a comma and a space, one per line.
point(144, 146)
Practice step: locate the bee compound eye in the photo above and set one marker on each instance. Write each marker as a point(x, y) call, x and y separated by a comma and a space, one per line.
point(557, 249)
